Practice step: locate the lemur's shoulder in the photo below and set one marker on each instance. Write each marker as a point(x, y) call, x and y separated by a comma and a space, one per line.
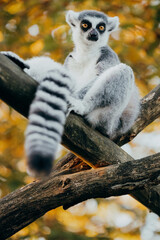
point(108, 56)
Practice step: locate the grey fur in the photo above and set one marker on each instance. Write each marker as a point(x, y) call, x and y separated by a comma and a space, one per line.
point(108, 56)
point(92, 13)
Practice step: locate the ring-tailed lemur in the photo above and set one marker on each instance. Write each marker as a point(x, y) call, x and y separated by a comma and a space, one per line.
point(104, 92)
point(47, 112)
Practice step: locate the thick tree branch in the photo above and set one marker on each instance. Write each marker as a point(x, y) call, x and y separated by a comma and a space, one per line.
point(27, 204)
point(150, 110)
point(17, 89)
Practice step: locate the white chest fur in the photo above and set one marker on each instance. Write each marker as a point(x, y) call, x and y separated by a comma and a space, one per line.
point(82, 69)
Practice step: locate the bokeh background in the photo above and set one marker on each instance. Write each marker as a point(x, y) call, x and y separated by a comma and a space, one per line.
point(34, 28)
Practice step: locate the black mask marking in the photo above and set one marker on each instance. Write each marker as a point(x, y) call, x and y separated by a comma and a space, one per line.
point(99, 26)
point(85, 25)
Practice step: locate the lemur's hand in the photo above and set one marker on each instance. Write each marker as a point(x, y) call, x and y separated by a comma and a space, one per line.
point(16, 59)
point(76, 106)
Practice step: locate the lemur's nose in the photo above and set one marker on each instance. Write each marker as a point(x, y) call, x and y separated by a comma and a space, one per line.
point(93, 35)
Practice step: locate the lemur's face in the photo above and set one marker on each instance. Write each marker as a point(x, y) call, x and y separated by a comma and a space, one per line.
point(91, 27)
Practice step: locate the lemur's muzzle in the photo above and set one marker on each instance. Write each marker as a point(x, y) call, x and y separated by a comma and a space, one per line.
point(92, 35)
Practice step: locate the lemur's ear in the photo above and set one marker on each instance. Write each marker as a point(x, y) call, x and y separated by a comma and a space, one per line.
point(72, 18)
point(113, 23)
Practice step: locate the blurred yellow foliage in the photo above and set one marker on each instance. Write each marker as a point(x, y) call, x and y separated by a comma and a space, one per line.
point(60, 32)
point(15, 7)
point(37, 47)
point(1, 36)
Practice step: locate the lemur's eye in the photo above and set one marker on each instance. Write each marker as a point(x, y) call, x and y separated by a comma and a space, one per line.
point(84, 25)
point(101, 28)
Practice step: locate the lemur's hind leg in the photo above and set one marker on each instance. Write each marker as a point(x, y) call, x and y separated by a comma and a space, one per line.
point(130, 113)
point(112, 88)
point(106, 100)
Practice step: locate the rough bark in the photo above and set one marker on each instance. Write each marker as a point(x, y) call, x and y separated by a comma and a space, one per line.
point(64, 189)
point(150, 110)
point(17, 89)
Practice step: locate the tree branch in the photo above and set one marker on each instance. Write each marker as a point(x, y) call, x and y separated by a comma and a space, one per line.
point(27, 204)
point(17, 89)
point(150, 110)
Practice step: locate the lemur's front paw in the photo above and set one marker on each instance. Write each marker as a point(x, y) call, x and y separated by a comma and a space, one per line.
point(16, 59)
point(77, 106)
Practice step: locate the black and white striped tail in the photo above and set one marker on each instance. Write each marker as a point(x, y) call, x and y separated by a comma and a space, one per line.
point(46, 121)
